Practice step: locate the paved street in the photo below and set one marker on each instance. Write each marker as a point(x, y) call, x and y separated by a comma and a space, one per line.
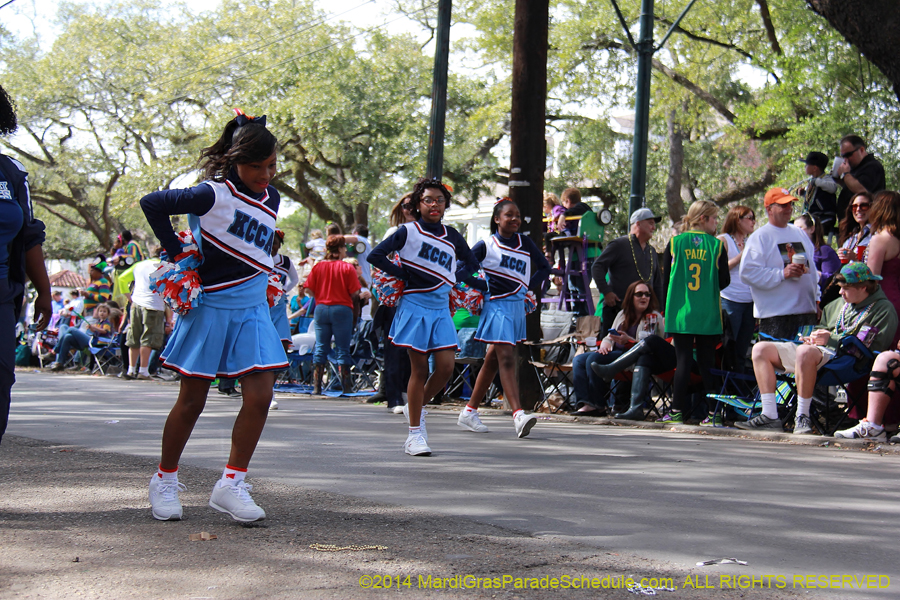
point(785, 509)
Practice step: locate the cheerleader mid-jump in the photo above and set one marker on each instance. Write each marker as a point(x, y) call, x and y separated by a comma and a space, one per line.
point(230, 334)
point(513, 265)
point(422, 324)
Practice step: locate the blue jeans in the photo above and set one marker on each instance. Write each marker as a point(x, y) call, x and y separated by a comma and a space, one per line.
point(72, 339)
point(589, 388)
point(740, 316)
point(333, 321)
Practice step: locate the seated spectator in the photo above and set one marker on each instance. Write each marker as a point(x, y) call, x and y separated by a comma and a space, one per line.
point(78, 339)
point(862, 310)
point(882, 386)
point(826, 259)
point(625, 344)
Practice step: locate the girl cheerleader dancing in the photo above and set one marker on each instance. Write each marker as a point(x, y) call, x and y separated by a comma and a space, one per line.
point(230, 333)
point(513, 265)
point(428, 254)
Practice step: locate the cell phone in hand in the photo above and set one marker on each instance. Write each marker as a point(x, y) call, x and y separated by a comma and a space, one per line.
point(613, 332)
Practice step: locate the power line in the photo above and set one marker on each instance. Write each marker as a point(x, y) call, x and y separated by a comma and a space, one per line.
point(306, 27)
point(299, 56)
point(7, 3)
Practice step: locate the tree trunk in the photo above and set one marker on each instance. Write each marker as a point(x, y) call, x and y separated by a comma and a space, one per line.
point(873, 26)
point(676, 168)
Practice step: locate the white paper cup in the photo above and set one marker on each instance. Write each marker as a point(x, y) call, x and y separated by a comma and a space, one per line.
point(590, 341)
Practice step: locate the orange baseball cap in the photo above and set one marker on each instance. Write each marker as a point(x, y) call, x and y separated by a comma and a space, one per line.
point(779, 196)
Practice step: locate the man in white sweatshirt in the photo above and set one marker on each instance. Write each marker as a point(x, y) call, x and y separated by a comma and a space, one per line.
point(776, 266)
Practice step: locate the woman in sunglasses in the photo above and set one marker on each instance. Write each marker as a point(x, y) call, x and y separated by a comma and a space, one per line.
point(736, 299)
point(855, 233)
point(638, 325)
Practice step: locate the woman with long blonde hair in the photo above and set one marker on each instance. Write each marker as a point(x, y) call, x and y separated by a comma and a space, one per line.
point(696, 266)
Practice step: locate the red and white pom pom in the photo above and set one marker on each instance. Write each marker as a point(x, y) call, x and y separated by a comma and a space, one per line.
point(388, 288)
point(463, 296)
point(178, 283)
point(530, 302)
point(274, 291)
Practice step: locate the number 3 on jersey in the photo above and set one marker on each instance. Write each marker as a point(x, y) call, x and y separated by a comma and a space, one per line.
point(694, 283)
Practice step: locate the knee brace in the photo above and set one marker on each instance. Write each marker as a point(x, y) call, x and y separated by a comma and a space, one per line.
point(880, 381)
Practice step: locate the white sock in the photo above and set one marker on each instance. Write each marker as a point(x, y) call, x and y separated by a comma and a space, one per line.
point(803, 405)
point(415, 430)
point(233, 475)
point(167, 475)
point(517, 413)
point(144, 371)
point(132, 370)
point(468, 409)
point(769, 405)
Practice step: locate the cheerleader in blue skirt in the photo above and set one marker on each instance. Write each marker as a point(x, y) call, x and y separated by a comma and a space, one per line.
point(422, 324)
point(288, 280)
point(230, 334)
point(513, 266)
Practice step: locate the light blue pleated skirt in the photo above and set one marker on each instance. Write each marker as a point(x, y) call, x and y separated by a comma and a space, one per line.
point(503, 321)
point(423, 322)
point(278, 314)
point(229, 335)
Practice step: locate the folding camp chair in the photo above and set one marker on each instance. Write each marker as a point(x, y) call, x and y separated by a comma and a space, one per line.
point(552, 361)
point(104, 354)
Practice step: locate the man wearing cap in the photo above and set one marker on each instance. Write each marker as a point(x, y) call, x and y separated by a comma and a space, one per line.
point(860, 172)
point(628, 259)
point(862, 310)
point(775, 266)
point(820, 199)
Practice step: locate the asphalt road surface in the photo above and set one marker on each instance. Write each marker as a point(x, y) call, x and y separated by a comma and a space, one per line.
point(790, 510)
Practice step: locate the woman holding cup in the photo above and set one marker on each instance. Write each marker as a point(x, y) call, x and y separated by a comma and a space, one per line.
point(855, 233)
point(638, 321)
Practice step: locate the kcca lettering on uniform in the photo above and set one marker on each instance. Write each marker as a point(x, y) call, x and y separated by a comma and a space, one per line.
point(436, 256)
point(251, 231)
point(508, 262)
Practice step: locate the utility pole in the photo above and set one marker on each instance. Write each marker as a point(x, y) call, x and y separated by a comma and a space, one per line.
point(439, 92)
point(528, 153)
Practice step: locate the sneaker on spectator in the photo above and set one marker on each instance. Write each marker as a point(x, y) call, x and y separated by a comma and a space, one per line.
point(405, 410)
point(895, 439)
point(164, 503)
point(524, 423)
point(712, 421)
point(141, 377)
point(803, 425)
point(760, 421)
point(865, 431)
point(673, 416)
point(273, 405)
point(471, 421)
point(235, 500)
point(398, 410)
point(416, 445)
point(57, 366)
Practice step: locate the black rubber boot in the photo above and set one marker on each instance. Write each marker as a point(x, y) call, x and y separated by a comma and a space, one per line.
point(346, 382)
point(640, 383)
point(607, 372)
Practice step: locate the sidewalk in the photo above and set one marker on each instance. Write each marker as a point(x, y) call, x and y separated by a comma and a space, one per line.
point(76, 523)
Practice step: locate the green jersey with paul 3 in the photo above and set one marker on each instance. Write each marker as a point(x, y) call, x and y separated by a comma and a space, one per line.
point(693, 302)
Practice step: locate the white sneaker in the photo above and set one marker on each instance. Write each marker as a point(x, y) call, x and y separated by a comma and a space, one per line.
point(236, 501)
point(164, 503)
point(398, 410)
point(471, 421)
point(273, 405)
point(416, 445)
point(421, 420)
point(863, 431)
point(524, 423)
point(803, 425)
